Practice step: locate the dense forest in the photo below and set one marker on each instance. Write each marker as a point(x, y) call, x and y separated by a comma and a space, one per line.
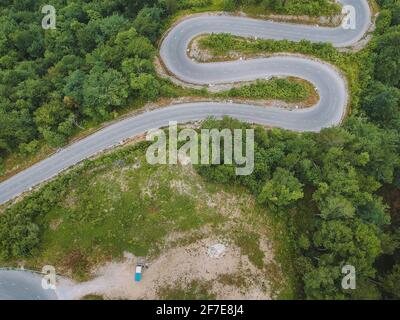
point(337, 191)
point(99, 59)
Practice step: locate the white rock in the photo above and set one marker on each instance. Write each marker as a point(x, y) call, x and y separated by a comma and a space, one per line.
point(216, 250)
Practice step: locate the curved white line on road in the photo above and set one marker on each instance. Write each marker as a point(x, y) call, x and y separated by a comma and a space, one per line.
point(328, 112)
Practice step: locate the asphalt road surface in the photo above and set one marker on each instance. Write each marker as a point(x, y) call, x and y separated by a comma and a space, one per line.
point(328, 112)
point(23, 285)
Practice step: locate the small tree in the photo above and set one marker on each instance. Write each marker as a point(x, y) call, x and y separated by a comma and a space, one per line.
point(146, 86)
point(282, 190)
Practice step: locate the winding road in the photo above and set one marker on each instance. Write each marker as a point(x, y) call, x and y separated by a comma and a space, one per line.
point(329, 111)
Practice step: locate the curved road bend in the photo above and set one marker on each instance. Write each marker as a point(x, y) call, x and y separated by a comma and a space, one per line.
point(328, 112)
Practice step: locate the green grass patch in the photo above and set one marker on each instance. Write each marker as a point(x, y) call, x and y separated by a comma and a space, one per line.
point(288, 90)
point(92, 297)
point(195, 290)
point(237, 280)
point(249, 244)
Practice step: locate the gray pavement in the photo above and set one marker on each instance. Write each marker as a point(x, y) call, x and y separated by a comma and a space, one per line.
point(23, 285)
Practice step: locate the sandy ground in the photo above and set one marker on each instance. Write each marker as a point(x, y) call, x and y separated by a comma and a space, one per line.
point(177, 265)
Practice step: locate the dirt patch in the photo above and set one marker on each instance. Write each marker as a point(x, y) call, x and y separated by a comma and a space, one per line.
point(54, 224)
point(199, 54)
point(181, 187)
point(148, 187)
point(75, 263)
point(70, 200)
point(226, 204)
point(178, 265)
point(118, 176)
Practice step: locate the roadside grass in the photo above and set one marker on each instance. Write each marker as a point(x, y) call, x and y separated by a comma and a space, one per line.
point(92, 297)
point(295, 8)
point(284, 89)
point(215, 5)
point(299, 8)
point(17, 162)
point(289, 90)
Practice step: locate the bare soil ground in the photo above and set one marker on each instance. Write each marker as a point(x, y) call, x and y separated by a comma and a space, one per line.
point(177, 265)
